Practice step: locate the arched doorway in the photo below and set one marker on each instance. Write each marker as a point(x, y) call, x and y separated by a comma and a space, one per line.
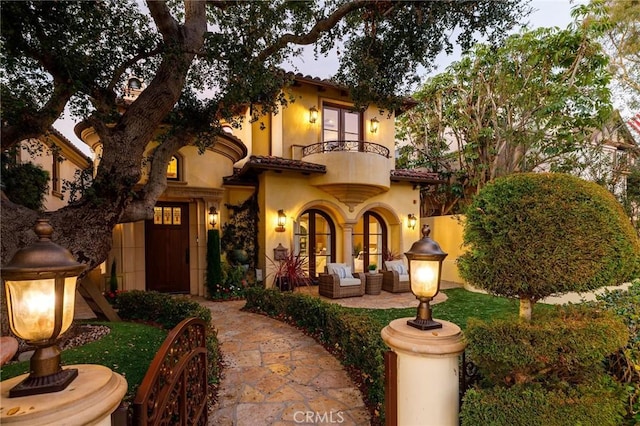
point(315, 238)
point(369, 241)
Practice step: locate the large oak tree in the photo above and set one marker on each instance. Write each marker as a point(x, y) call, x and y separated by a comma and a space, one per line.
point(78, 54)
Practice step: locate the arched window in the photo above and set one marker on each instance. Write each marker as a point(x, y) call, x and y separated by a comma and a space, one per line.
point(314, 235)
point(173, 169)
point(369, 241)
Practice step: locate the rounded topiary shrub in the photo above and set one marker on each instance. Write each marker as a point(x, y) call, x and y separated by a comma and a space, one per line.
point(594, 403)
point(567, 344)
point(532, 235)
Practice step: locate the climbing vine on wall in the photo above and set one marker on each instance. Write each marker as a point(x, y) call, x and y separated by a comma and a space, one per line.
point(241, 231)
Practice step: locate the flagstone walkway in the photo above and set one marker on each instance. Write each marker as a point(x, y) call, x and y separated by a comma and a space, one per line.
point(276, 375)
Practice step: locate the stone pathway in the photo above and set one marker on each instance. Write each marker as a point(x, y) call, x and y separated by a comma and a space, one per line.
point(276, 375)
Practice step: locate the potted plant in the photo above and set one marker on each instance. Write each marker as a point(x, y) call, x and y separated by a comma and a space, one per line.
point(291, 272)
point(372, 268)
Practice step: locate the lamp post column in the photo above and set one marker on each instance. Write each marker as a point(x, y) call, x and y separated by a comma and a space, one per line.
point(427, 372)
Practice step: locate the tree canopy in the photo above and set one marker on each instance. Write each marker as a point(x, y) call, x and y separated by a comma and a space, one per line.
point(531, 102)
point(80, 53)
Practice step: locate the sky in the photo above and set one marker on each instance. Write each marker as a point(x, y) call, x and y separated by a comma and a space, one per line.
point(546, 13)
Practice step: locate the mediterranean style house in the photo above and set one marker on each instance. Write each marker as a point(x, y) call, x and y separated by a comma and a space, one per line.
point(322, 177)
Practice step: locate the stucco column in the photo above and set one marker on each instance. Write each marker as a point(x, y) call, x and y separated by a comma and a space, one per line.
point(427, 372)
point(88, 400)
point(347, 243)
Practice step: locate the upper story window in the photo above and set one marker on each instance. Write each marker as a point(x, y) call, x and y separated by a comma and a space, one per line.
point(340, 123)
point(173, 169)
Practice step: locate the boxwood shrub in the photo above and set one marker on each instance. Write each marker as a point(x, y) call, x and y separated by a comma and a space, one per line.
point(565, 344)
point(350, 336)
point(168, 311)
point(593, 403)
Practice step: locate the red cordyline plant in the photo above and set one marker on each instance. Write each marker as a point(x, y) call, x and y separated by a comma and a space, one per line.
point(291, 271)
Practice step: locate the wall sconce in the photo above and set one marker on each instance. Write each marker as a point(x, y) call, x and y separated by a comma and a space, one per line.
point(40, 282)
point(412, 220)
point(425, 265)
point(313, 114)
point(373, 125)
point(213, 216)
point(282, 219)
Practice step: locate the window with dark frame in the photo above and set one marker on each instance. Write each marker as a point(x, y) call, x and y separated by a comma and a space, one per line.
point(340, 123)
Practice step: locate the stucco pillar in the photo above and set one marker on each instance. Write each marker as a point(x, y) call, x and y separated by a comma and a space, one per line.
point(427, 372)
point(347, 244)
point(88, 400)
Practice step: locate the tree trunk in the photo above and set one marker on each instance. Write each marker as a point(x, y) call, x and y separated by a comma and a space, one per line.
point(526, 308)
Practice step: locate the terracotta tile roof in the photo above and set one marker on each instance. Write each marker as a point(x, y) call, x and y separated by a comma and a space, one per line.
point(415, 176)
point(259, 163)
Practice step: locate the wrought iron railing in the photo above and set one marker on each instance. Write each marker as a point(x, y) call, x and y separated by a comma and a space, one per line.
point(351, 146)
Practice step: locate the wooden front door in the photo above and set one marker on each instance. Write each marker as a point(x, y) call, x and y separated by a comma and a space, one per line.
point(167, 248)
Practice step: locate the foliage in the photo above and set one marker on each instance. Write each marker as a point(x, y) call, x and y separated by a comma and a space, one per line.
point(372, 267)
point(351, 336)
point(631, 200)
point(214, 275)
point(532, 101)
point(25, 184)
point(624, 365)
point(532, 235)
point(233, 285)
point(128, 349)
point(592, 403)
point(616, 24)
point(388, 254)
point(291, 272)
point(566, 344)
point(241, 231)
point(183, 49)
point(168, 311)
point(113, 278)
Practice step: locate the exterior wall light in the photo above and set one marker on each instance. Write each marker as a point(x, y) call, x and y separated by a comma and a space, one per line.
point(40, 282)
point(425, 265)
point(282, 219)
point(213, 216)
point(313, 114)
point(412, 220)
point(373, 125)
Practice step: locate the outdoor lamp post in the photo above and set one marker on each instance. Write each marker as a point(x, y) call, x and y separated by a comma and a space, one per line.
point(40, 283)
point(425, 264)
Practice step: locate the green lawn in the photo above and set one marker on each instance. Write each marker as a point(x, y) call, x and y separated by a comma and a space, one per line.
point(458, 308)
point(128, 350)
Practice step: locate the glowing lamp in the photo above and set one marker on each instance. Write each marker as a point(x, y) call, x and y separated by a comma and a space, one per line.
point(313, 114)
point(282, 219)
point(213, 216)
point(411, 221)
point(425, 265)
point(373, 125)
point(40, 282)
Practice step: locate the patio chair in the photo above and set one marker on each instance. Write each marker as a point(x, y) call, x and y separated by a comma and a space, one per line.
point(338, 281)
point(395, 277)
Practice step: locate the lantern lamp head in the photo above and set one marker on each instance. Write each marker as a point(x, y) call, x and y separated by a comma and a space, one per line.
point(282, 220)
point(40, 283)
point(411, 221)
point(313, 114)
point(213, 216)
point(425, 265)
point(373, 125)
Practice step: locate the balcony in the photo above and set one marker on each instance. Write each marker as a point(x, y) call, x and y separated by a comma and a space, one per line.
point(356, 170)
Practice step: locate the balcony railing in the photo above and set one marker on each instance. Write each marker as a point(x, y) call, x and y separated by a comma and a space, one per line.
point(351, 146)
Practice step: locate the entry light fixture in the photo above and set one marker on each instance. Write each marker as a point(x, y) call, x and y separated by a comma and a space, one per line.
point(373, 125)
point(213, 216)
point(282, 220)
point(425, 265)
point(40, 283)
point(313, 114)
point(412, 220)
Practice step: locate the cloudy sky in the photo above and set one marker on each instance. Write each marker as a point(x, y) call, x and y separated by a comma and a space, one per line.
point(547, 13)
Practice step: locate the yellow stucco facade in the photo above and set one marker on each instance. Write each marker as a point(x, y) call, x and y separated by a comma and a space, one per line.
point(335, 173)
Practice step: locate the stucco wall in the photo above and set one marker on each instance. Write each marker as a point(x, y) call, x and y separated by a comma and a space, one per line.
point(447, 231)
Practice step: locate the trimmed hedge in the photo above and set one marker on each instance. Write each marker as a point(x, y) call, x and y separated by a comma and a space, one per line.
point(168, 311)
point(567, 344)
point(595, 403)
point(536, 234)
point(352, 337)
